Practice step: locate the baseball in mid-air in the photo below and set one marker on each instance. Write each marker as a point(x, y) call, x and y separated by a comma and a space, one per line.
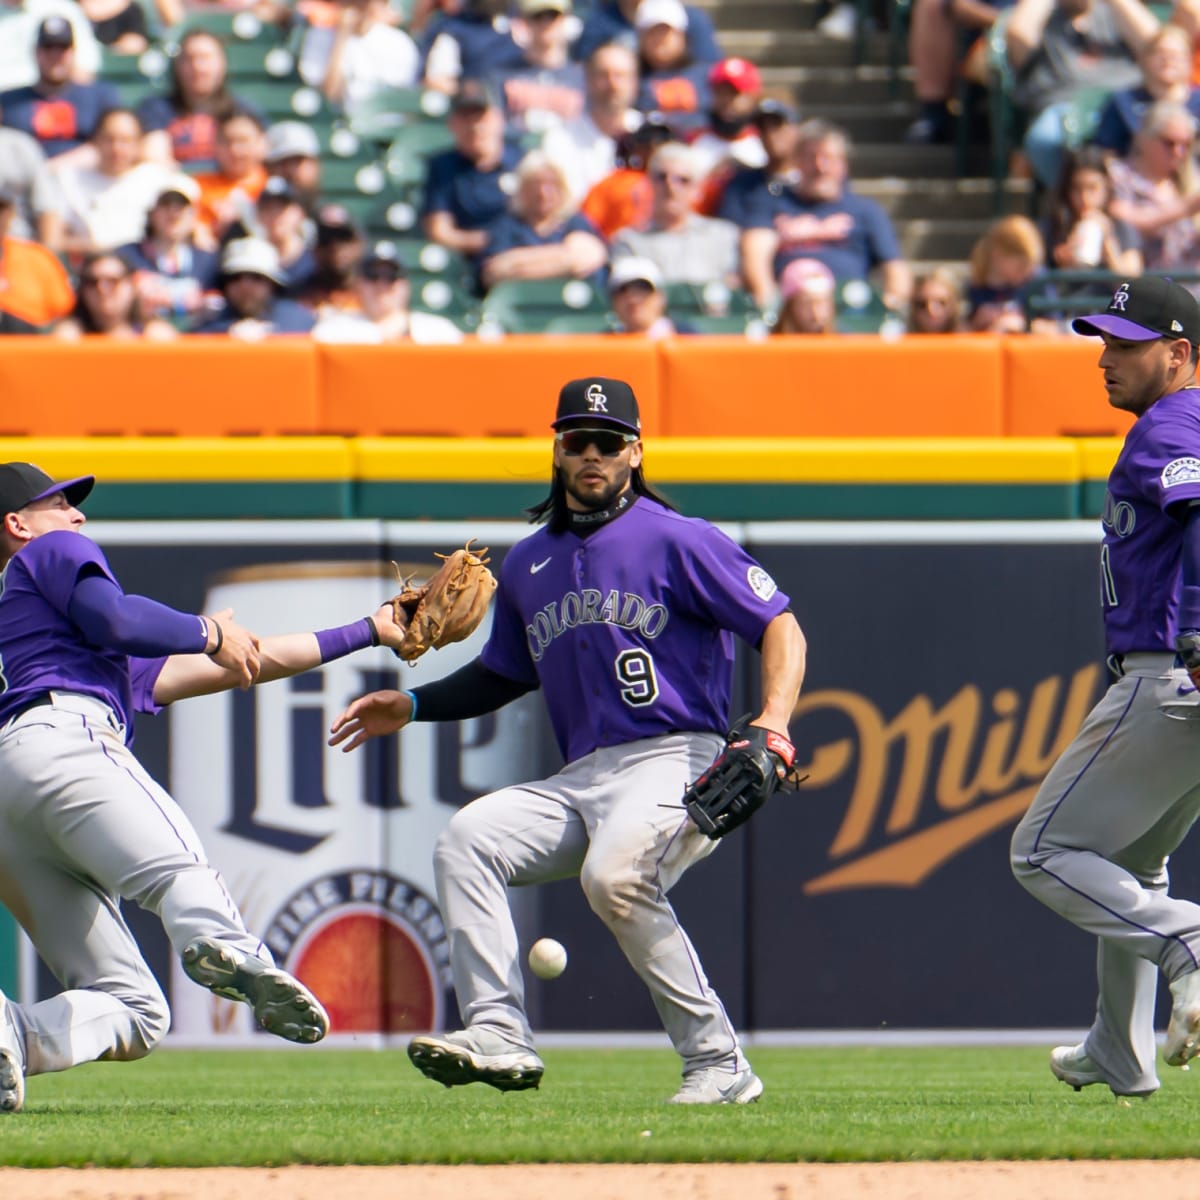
point(547, 958)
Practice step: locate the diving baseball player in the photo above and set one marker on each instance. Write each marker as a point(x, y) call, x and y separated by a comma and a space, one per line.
point(82, 824)
point(1095, 842)
point(624, 613)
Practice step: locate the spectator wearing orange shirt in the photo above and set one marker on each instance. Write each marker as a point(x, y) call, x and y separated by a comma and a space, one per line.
point(34, 286)
point(231, 192)
point(624, 197)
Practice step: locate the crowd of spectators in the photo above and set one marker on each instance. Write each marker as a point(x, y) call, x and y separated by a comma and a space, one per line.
point(605, 143)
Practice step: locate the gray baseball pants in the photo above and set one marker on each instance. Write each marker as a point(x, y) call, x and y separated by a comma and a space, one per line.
point(82, 824)
point(612, 818)
point(1094, 847)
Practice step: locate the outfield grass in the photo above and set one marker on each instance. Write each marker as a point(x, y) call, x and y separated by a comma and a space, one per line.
point(332, 1106)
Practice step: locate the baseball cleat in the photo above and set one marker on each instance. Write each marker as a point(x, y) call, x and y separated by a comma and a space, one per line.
point(476, 1056)
point(1072, 1065)
point(282, 1005)
point(1183, 1031)
point(714, 1085)
point(12, 1082)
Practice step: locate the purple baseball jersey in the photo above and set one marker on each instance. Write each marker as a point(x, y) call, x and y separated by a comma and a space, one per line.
point(629, 631)
point(1155, 477)
point(41, 649)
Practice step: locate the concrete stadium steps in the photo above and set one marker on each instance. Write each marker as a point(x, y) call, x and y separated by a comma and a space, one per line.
point(760, 14)
point(943, 199)
point(774, 47)
point(937, 215)
point(811, 87)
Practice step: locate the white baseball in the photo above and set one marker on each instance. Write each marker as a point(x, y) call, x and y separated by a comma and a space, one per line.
point(547, 958)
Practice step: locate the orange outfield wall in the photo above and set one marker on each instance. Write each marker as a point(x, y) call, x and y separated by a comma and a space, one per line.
point(199, 387)
point(954, 386)
point(478, 389)
point(1053, 387)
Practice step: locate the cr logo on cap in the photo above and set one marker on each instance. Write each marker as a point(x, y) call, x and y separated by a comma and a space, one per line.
point(1119, 298)
point(597, 400)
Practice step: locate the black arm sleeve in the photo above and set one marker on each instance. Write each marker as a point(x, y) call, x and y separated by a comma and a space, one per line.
point(470, 691)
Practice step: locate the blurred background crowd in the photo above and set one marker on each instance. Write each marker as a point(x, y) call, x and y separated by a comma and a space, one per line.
point(432, 170)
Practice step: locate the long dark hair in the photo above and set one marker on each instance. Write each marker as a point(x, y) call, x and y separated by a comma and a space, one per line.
point(82, 313)
point(1060, 216)
point(553, 511)
point(222, 102)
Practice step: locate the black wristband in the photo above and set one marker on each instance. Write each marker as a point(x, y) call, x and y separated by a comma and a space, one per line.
point(374, 630)
point(220, 641)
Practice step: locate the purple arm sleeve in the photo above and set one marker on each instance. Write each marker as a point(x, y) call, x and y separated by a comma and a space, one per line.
point(133, 624)
point(1189, 596)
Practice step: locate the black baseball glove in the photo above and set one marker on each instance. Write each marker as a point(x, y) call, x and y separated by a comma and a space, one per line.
point(754, 764)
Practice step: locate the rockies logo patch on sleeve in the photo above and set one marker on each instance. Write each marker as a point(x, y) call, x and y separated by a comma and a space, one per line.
point(763, 586)
point(1181, 470)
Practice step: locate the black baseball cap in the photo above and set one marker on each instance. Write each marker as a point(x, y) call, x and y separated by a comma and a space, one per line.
point(597, 401)
point(1144, 309)
point(55, 31)
point(474, 95)
point(23, 483)
point(278, 188)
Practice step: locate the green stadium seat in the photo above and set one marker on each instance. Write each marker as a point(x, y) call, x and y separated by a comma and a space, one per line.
point(714, 299)
point(525, 305)
point(380, 118)
point(362, 174)
point(428, 258)
point(394, 214)
point(589, 322)
point(412, 145)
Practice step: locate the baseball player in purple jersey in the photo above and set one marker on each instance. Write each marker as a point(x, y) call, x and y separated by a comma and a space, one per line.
point(624, 613)
point(1095, 842)
point(82, 824)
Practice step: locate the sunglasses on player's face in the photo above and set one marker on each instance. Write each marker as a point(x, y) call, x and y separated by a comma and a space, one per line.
point(607, 441)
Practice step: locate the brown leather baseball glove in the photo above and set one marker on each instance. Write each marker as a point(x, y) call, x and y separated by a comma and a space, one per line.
point(446, 609)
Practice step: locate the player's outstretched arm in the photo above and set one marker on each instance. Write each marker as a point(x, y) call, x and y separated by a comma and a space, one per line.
point(374, 715)
point(280, 657)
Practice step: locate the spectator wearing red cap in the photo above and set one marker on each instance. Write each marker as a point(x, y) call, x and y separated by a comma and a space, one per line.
point(731, 137)
point(55, 109)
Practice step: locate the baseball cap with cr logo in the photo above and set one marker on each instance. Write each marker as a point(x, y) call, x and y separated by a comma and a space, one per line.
point(22, 483)
point(598, 401)
point(1144, 309)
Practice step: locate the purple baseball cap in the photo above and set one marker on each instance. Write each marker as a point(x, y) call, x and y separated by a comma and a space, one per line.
point(23, 483)
point(1145, 309)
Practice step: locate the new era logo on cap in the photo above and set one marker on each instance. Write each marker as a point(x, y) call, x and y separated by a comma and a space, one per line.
point(1144, 309)
point(598, 401)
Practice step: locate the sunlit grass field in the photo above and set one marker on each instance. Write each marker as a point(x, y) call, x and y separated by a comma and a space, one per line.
point(346, 1106)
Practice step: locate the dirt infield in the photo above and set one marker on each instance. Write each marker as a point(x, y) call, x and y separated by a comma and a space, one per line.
point(1175, 1180)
